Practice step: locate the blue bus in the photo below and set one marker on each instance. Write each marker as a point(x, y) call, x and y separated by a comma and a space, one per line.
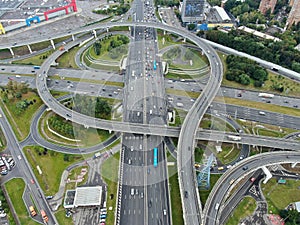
point(155, 157)
point(154, 64)
point(36, 67)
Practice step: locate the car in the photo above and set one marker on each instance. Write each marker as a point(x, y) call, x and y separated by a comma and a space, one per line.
point(136, 191)
point(131, 148)
point(148, 170)
point(245, 167)
point(242, 156)
point(239, 95)
point(0, 115)
point(268, 101)
point(32, 181)
point(186, 194)
point(49, 197)
point(165, 212)
point(252, 179)
point(19, 157)
point(69, 115)
point(142, 194)
point(295, 106)
point(150, 204)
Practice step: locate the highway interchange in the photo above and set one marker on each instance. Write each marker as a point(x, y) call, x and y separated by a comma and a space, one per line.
point(187, 134)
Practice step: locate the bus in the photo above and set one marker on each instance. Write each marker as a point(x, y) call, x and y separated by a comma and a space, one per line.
point(154, 64)
point(36, 67)
point(155, 157)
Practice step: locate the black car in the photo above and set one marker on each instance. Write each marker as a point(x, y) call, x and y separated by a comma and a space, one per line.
point(186, 194)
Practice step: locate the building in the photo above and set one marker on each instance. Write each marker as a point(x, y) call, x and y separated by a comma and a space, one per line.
point(193, 11)
point(83, 196)
point(267, 4)
point(294, 16)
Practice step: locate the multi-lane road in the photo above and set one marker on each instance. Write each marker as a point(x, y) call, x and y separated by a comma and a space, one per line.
point(189, 193)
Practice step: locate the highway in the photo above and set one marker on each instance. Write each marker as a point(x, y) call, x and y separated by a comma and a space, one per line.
point(222, 187)
point(32, 191)
point(186, 142)
point(144, 187)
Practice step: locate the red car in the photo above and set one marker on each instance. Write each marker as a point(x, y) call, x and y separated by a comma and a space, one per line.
point(252, 179)
point(32, 181)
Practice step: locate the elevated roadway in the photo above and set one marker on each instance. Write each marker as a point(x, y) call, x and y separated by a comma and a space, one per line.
point(222, 188)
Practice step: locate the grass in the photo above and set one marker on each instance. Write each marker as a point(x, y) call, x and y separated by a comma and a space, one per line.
point(265, 129)
point(291, 87)
point(89, 137)
point(260, 105)
point(196, 58)
point(2, 140)
point(110, 173)
point(73, 176)
point(104, 82)
point(52, 165)
point(198, 155)
point(182, 93)
point(229, 152)
point(15, 189)
point(67, 60)
point(168, 40)
point(22, 120)
point(35, 60)
point(176, 206)
point(214, 123)
point(205, 193)
point(60, 215)
point(273, 194)
point(185, 76)
point(245, 208)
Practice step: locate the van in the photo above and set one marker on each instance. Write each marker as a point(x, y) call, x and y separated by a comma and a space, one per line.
point(150, 111)
point(261, 113)
point(132, 191)
point(138, 113)
point(129, 161)
point(217, 206)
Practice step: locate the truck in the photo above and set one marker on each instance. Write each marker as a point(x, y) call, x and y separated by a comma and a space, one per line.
point(234, 138)
point(32, 211)
point(44, 216)
point(179, 104)
point(98, 154)
point(265, 95)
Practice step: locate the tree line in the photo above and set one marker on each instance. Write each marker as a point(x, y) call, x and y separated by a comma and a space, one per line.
point(242, 70)
point(92, 106)
point(280, 52)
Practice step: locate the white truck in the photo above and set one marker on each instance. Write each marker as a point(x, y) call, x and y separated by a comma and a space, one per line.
point(265, 95)
point(234, 138)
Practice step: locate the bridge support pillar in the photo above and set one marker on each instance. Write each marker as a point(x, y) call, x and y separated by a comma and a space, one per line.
point(293, 165)
point(73, 38)
point(52, 43)
point(12, 52)
point(95, 33)
point(29, 48)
